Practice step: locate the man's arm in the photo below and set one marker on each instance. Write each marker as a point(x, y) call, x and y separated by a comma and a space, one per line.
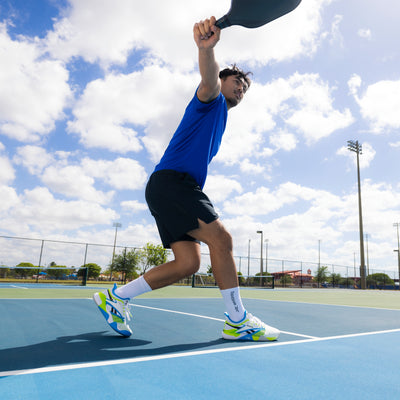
point(206, 36)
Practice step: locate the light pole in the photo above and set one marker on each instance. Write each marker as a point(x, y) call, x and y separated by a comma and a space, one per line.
point(248, 260)
point(366, 237)
point(116, 225)
point(266, 256)
point(319, 254)
point(261, 256)
point(397, 224)
point(357, 148)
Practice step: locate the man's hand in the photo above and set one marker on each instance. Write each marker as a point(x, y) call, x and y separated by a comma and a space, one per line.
point(206, 33)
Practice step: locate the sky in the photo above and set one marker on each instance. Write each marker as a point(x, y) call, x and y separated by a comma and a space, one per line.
point(91, 92)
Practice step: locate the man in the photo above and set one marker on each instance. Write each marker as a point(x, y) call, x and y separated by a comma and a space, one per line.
point(183, 213)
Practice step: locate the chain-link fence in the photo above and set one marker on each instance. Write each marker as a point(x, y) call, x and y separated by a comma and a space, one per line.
point(44, 252)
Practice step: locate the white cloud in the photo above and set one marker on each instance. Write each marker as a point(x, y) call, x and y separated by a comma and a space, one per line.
point(121, 173)
point(335, 35)
point(79, 179)
point(133, 206)
point(260, 202)
point(34, 158)
point(9, 199)
point(367, 156)
point(364, 33)
point(354, 84)
point(380, 105)
point(248, 167)
point(106, 32)
point(316, 117)
point(7, 173)
point(264, 201)
point(109, 110)
point(34, 90)
point(39, 210)
point(303, 102)
point(380, 206)
point(283, 140)
point(215, 183)
point(316, 215)
point(297, 33)
point(73, 182)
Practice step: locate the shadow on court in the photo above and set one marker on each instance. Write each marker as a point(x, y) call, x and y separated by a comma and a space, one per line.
point(90, 347)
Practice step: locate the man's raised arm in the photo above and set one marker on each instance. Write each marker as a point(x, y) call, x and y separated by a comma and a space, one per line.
point(206, 36)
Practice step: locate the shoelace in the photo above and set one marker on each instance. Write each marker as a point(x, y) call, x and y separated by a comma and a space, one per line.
point(126, 310)
point(255, 321)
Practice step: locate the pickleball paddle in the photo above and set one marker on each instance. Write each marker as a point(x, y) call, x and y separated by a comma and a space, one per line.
point(255, 13)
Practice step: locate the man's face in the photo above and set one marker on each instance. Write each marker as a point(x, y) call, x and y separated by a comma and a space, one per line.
point(233, 88)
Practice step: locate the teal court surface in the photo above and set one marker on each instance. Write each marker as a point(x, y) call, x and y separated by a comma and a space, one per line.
point(54, 344)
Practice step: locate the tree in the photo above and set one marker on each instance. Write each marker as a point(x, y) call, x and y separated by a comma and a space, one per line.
point(241, 279)
point(58, 271)
point(379, 279)
point(152, 255)
point(334, 279)
point(3, 272)
point(127, 263)
point(321, 275)
point(24, 269)
point(286, 280)
point(93, 270)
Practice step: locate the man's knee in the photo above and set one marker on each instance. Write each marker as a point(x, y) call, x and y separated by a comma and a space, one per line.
point(225, 240)
point(220, 238)
point(187, 256)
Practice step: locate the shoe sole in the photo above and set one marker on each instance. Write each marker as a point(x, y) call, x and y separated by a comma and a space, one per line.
point(250, 339)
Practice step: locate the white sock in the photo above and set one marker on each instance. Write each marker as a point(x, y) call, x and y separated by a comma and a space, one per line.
point(233, 304)
point(133, 289)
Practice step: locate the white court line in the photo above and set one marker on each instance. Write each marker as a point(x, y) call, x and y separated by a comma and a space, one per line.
point(185, 354)
point(19, 287)
point(214, 319)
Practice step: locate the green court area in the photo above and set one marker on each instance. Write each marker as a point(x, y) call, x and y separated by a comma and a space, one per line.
point(343, 297)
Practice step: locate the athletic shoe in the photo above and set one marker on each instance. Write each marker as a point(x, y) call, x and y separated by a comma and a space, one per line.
point(115, 310)
point(249, 328)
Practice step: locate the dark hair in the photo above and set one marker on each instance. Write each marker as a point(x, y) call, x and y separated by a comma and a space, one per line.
point(234, 70)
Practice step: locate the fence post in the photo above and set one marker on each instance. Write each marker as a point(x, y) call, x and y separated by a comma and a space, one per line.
point(86, 270)
point(40, 261)
point(301, 274)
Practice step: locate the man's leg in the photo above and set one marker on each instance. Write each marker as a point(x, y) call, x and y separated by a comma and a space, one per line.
point(219, 242)
point(114, 303)
point(239, 324)
point(186, 262)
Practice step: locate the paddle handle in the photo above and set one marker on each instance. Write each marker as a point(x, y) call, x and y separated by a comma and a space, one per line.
point(223, 22)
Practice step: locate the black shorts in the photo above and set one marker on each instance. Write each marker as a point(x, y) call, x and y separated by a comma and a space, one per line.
point(176, 202)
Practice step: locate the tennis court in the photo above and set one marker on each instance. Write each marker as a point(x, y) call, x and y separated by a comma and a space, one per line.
point(334, 344)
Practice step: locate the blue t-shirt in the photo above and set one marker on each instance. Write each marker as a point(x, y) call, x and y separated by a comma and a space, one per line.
point(197, 138)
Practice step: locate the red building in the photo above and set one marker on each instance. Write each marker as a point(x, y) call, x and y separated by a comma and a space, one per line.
point(298, 278)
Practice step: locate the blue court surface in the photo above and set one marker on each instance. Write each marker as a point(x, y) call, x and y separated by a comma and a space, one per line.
point(63, 349)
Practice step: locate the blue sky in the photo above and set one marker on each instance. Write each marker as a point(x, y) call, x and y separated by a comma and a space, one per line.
point(91, 92)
